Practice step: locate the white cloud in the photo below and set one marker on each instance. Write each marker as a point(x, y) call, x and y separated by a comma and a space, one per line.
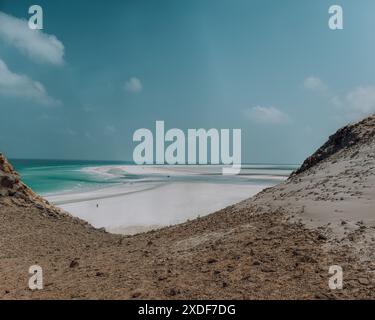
point(18, 85)
point(133, 85)
point(266, 115)
point(353, 105)
point(315, 84)
point(360, 102)
point(39, 46)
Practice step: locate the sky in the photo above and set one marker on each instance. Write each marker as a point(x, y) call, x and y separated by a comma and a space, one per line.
point(99, 70)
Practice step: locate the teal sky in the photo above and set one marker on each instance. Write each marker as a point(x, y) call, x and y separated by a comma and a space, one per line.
point(271, 68)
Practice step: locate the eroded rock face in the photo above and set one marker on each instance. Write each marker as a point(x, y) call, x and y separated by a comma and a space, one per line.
point(10, 184)
point(344, 138)
point(13, 192)
point(7, 181)
point(12, 187)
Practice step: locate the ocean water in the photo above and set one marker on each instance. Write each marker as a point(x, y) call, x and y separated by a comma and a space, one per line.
point(50, 177)
point(59, 176)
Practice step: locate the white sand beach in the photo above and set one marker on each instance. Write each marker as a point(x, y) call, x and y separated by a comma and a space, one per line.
point(139, 206)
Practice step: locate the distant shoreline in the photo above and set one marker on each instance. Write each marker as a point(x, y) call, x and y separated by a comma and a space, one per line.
point(157, 195)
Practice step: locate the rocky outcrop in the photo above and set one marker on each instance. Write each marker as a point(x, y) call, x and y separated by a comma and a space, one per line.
point(10, 184)
point(344, 138)
point(13, 189)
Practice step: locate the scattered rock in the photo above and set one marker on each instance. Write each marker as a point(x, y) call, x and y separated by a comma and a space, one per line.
point(136, 294)
point(7, 180)
point(321, 296)
point(211, 260)
point(363, 281)
point(39, 206)
point(322, 237)
point(74, 263)
point(172, 292)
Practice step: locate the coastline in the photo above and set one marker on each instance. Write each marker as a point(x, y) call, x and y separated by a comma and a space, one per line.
point(160, 196)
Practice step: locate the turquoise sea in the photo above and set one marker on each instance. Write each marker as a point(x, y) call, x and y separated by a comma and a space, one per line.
point(61, 176)
point(54, 176)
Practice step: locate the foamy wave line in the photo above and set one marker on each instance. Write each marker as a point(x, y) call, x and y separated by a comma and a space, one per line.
point(121, 170)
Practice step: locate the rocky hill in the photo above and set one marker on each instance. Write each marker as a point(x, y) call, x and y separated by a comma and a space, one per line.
point(12, 188)
point(346, 137)
point(10, 184)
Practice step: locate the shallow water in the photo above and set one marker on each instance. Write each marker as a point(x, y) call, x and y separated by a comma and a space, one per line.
point(67, 176)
